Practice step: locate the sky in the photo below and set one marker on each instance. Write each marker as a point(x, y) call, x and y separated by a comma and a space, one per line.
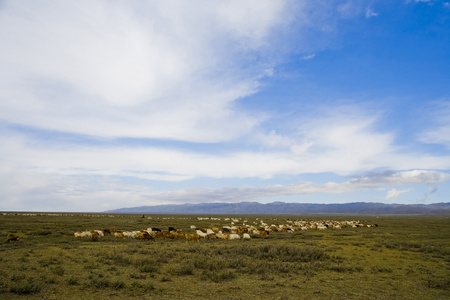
point(112, 104)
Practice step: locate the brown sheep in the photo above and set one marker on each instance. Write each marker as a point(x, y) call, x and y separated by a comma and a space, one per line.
point(144, 235)
point(95, 235)
point(119, 235)
point(12, 237)
point(211, 236)
point(192, 237)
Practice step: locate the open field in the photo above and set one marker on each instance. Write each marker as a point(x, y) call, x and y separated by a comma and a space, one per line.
point(405, 257)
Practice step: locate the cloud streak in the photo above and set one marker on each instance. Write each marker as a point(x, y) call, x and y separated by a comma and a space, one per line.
point(394, 193)
point(63, 191)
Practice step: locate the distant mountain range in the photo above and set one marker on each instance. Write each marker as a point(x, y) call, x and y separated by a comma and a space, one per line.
point(246, 208)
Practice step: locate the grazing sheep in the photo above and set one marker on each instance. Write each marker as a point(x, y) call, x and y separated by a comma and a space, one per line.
point(264, 232)
point(192, 237)
point(86, 234)
point(77, 235)
point(119, 235)
point(201, 233)
point(246, 236)
point(234, 236)
point(100, 232)
point(144, 235)
point(95, 235)
point(223, 236)
point(211, 236)
point(12, 237)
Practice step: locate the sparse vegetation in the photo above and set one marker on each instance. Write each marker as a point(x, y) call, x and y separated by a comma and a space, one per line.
point(404, 258)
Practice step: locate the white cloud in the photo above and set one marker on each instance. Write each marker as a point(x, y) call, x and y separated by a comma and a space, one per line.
point(391, 178)
point(394, 193)
point(370, 13)
point(305, 188)
point(64, 188)
point(308, 57)
point(119, 69)
point(440, 132)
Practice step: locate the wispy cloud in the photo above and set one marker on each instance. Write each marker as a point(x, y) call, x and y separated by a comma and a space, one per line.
point(394, 193)
point(370, 13)
point(429, 192)
point(28, 191)
point(440, 133)
point(309, 56)
point(385, 179)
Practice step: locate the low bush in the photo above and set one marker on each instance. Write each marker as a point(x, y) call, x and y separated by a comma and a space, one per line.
point(25, 287)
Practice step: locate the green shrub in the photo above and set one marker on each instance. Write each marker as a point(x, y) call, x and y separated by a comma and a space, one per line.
point(138, 276)
point(439, 283)
point(145, 287)
point(25, 288)
point(58, 270)
point(185, 269)
point(72, 280)
point(148, 269)
point(218, 276)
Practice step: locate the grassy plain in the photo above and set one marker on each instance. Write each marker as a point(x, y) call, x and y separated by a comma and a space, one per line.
point(405, 257)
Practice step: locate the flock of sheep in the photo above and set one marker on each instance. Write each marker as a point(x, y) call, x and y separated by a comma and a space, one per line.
point(231, 232)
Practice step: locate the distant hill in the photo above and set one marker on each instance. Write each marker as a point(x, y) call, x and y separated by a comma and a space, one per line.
point(288, 208)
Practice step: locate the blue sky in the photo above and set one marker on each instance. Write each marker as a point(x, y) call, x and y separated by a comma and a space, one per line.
point(109, 104)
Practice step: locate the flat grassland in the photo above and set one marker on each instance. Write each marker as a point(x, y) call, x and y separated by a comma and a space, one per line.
point(405, 257)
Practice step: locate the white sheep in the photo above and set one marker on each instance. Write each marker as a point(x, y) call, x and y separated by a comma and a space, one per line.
point(234, 236)
point(202, 234)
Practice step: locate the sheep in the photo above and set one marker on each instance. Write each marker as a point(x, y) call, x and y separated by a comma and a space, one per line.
point(264, 232)
point(246, 236)
point(119, 235)
point(95, 235)
point(211, 236)
point(226, 229)
point(77, 235)
point(86, 234)
point(100, 233)
point(127, 234)
point(191, 237)
point(12, 237)
point(234, 236)
point(144, 235)
point(223, 236)
point(201, 233)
